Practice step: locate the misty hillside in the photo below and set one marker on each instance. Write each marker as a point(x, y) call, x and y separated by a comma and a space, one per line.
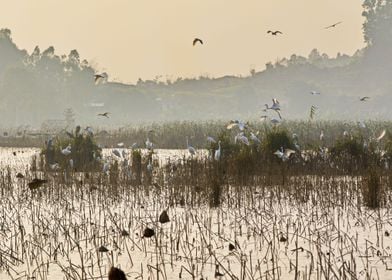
point(41, 85)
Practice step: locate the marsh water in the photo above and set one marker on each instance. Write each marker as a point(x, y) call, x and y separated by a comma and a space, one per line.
point(57, 232)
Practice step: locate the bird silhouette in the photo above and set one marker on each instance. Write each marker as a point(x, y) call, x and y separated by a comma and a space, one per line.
point(98, 76)
point(364, 98)
point(197, 40)
point(274, 33)
point(334, 25)
point(106, 114)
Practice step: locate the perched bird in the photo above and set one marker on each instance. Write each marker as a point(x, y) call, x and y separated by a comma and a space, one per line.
point(381, 135)
point(54, 166)
point(191, 150)
point(36, 183)
point(197, 40)
point(361, 124)
point(275, 121)
point(218, 152)
point(106, 114)
point(149, 144)
point(241, 138)
point(254, 138)
point(322, 135)
point(333, 25)
point(67, 151)
point(105, 168)
point(274, 33)
point(364, 98)
point(116, 274)
point(89, 131)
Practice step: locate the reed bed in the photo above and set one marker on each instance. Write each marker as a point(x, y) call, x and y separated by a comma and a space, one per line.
point(266, 220)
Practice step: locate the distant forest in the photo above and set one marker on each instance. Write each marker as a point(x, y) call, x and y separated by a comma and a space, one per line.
point(40, 86)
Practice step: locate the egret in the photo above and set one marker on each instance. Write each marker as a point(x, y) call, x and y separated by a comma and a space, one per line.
point(71, 164)
point(218, 152)
point(240, 137)
point(67, 150)
point(361, 124)
point(275, 107)
point(322, 135)
point(149, 144)
point(284, 154)
point(381, 135)
point(149, 166)
point(314, 92)
point(89, 131)
point(191, 150)
point(105, 168)
point(134, 146)
point(240, 124)
point(254, 138)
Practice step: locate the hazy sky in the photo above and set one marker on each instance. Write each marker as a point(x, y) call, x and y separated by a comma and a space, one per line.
point(145, 38)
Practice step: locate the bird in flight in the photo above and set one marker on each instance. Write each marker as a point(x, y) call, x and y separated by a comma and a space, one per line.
point(314, 92)
point(98, 76)
point(106, 114)
point(334, 25)
point(364, 98)
point(274, 33)
point(197, 40)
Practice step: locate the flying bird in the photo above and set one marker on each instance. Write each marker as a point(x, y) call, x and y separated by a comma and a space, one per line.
point(284, 154)
point(98, 76)
point(334, 25)
point(197, 40)
point(314, 92)
point(364, 98)
point(274, 33)
point(106, 114)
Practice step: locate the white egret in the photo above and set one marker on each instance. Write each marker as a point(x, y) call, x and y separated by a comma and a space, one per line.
point(240, 137)
point(191, 150)
point(67, 150)
point(322, 135)
point(218, 152)
point(149, 144)
point(381, 135)
point(284, 154)
point(254, 138)
point(240, 124)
